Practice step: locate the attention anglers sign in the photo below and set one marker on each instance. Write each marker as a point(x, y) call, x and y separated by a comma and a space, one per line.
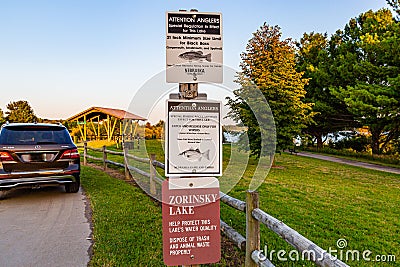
point(194, 47)
point(193, 138)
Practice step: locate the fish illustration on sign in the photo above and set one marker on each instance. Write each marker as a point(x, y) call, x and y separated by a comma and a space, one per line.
point(195, 55)
point(195, 154)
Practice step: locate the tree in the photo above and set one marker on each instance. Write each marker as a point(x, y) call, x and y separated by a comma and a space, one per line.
point(20, 111)
point(2, 119)
point(268, 65)
point(374, 96)
point(154, 132)
point(395, 5)
point(314, 60)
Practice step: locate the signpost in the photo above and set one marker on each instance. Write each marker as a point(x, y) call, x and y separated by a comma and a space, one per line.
point(193, 151)
point(194, 47)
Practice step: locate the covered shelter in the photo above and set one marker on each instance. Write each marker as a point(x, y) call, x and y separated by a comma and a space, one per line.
point(106, 124)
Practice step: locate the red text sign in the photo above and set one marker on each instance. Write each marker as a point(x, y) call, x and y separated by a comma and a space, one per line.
point(191, 221)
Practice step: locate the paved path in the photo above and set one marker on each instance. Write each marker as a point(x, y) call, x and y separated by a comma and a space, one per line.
point(44, 227)
point(351, 162)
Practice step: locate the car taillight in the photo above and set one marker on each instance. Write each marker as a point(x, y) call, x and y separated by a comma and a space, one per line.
point(5, 156)
point(70, 154)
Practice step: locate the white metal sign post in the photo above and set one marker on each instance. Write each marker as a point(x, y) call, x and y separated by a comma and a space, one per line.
point(194, 47)
point(193, 140)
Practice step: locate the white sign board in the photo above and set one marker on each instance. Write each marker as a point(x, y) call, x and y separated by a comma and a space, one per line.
point(194, 47)
point(193, 138)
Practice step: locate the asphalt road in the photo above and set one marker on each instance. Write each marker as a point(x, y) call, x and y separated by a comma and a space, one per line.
point(351, 162)
point(44, 227)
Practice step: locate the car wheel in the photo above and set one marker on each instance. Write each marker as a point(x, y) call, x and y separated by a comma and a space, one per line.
point(73, 187)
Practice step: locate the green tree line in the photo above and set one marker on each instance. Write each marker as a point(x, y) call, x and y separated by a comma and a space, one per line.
point(320, 85)
point(18, 111)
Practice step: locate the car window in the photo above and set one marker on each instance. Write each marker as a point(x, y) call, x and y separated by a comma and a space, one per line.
point(34, 136)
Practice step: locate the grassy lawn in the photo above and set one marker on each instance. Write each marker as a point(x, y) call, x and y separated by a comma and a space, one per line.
point(325, 202)
point(127, 223)
point(321, 200)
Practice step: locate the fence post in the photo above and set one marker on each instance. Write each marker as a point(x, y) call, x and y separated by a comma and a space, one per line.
point(252, 228)
point(84, 153)
point(104, 158)
point(125, 149)
point(153, 189)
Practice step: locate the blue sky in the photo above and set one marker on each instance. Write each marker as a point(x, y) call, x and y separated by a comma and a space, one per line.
point(66, 56)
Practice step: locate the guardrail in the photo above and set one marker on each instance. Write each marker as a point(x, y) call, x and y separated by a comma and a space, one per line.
point(254, 216)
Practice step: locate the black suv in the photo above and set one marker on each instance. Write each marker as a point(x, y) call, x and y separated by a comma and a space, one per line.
point(36, 155)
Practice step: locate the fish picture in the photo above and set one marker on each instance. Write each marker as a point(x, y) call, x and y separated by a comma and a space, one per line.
point(195, 154)
point(195, 55)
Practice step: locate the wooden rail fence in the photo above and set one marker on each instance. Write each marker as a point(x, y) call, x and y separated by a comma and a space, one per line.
point(254, 216)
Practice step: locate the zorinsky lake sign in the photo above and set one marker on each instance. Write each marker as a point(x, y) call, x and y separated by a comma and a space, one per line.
point(194, 47)
point(193, 138)
point(191, 221)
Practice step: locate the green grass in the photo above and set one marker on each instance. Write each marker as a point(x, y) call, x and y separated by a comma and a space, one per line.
point(127, 224)
point(327, 201)
point(321, 200)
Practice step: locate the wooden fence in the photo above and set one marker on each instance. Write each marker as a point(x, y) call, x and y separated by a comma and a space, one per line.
point(254, 216)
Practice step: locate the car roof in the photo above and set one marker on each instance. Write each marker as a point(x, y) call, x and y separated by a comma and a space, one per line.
point(24, 124)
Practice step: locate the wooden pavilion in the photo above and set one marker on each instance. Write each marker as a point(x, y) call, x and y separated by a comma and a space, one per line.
point(106, 124)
